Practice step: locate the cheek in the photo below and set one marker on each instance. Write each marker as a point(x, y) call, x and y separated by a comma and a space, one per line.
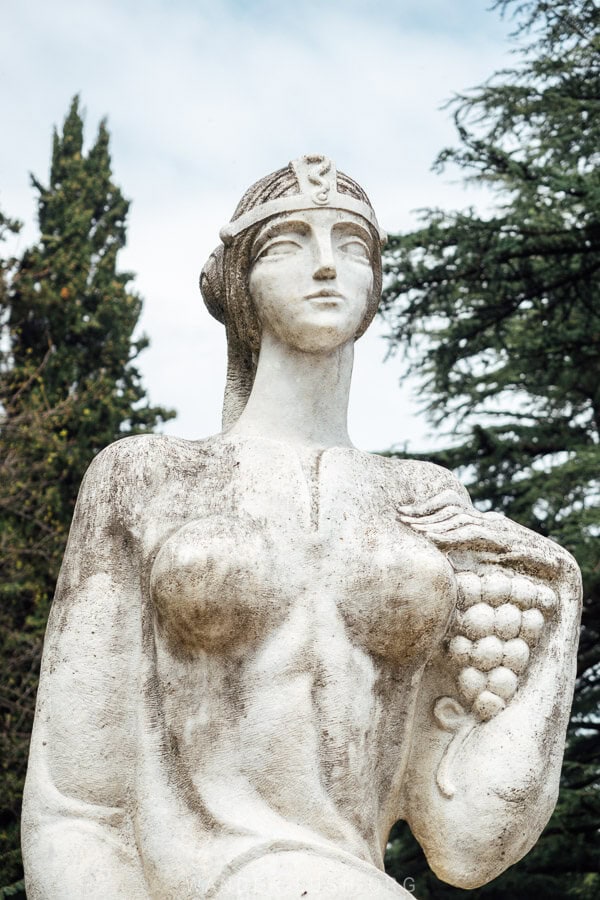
point(364, 275)
point(355, 273)
point(361, 291)
point(368, 283)
point(261, 286)
point(359, 284)
point(267, 287)
point(271, 280)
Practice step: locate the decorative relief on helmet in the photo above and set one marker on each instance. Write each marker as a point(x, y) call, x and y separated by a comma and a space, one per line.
point(316, 172)
point(317, 180)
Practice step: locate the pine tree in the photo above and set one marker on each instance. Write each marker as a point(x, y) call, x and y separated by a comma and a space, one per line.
point(500, 316)
point(68, 387)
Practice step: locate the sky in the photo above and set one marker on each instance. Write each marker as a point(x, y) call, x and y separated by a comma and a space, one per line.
point(203, 98)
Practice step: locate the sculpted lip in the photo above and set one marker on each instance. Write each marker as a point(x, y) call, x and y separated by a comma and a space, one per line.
point(324, 292)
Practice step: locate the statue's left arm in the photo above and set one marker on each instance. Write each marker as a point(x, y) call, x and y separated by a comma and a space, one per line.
point(489, 731)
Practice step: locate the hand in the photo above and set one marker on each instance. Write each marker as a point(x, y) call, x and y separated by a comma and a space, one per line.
point(451, 524)
point(454, 525)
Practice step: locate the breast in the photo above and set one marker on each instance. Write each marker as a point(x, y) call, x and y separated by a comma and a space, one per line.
point(398, 595)
point(269, 538)
point(212, 587)
point(221, 582)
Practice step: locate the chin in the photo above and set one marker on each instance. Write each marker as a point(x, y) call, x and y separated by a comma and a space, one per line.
point(326, 335)
point(323, 343)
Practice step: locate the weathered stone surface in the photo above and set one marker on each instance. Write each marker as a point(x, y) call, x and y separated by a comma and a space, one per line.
point(267, 646)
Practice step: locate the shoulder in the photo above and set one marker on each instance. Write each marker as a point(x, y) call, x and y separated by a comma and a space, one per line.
point(128, 473)
point(135, 452)
point(137, 457)
point(420, 481)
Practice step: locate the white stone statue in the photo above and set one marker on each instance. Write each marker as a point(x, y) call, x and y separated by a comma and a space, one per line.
point(268, 646)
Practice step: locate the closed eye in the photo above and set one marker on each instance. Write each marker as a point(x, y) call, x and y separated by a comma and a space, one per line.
point(355, 247)
point(280, 247)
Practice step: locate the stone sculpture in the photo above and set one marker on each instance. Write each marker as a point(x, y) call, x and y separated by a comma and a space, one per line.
point(268, 646)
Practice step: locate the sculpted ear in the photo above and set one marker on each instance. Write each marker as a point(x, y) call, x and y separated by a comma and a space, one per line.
point(212, 284)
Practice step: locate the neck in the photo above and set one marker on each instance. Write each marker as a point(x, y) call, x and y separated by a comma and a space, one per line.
point(298, 396)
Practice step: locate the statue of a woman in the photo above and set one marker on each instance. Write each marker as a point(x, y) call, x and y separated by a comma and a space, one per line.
point(268, 646)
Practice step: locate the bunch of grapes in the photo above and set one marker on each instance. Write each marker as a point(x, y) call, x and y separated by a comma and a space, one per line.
point(499, 620)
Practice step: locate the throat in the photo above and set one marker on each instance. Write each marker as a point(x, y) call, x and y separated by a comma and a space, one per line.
point(299, 397)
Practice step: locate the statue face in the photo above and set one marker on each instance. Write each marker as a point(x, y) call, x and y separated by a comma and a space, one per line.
point(311, 278)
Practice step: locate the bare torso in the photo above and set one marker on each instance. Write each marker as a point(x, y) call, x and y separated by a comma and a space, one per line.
point(290, 617)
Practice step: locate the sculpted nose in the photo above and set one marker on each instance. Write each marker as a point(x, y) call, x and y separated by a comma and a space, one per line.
point(324, 261)
point(323, 273)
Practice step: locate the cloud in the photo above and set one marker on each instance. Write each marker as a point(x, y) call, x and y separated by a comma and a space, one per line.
point(202, 99)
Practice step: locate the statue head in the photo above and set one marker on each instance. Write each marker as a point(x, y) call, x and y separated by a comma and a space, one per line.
point(308, 183)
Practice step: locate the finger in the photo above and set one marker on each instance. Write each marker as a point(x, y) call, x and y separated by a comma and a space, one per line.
point(447, 513)
point(448, 525)
point(434, 504)
point(528, 559)
point(495, 517)
point(468, 536)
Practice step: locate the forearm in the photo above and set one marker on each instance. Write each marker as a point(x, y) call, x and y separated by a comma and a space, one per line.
point(494, 704)
point(505, 779)
point(501, 776)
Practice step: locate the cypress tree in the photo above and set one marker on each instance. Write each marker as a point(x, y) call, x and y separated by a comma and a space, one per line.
point(69, 385)
point(500, 317)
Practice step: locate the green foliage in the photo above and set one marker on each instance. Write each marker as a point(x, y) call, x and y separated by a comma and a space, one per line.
point(500, 317)
point(16, 890)
point(68, 387)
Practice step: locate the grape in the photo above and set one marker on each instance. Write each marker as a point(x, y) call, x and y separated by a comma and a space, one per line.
point(469, 589)
point(523, 592)
point(495, 588)
point(460, 650)
point(516, 655)
point(499, 620)
point(546, 599)
point(531, 628)
point(487, 653)
point(478, 621)
point(507, 621)
point(502, 681)
point(471, 682)
point(487, 705)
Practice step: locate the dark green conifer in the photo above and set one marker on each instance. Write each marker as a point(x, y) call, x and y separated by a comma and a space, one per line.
point(500, 316)
point(68, 387)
